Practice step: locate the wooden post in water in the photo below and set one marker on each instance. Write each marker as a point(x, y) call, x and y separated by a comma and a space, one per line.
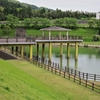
point(61, 49)
point(22, 51)
point(16, 51)
point(50, 51)
point(67, 63)
point(76, 50)
point(60, 61)
point(30, 52)
point(43, 49)
point(68, 50)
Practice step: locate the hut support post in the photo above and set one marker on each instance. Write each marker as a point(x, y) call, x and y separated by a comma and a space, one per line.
point(50, 51)
point(76, 51)
point(16, 51)
point(68, 50)
point(61, 49)
point(43, 49)
point(22, 51)
point(31, 52)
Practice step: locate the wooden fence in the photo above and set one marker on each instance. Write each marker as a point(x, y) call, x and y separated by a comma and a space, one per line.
point(85, 79)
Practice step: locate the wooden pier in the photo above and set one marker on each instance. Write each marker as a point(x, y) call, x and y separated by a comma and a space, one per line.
point(43, 39)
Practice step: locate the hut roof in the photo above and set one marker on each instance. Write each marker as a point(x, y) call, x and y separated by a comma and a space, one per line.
point(54, 28)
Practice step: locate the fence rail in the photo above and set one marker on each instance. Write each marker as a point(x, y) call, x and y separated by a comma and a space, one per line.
point(84, 79)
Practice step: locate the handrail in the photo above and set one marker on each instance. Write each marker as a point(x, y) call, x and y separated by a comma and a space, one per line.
point(34, 38)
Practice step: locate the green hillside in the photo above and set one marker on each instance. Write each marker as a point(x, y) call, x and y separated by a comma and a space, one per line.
point(24, 4)
point(20, 80)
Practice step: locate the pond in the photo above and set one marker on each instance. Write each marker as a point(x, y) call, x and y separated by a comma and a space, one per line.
point(88, 60)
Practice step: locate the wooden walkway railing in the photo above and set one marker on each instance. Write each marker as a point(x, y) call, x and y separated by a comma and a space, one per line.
point(34, 38)
point(85, 79)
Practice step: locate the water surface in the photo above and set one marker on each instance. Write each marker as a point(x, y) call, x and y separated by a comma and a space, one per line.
point(88, 60)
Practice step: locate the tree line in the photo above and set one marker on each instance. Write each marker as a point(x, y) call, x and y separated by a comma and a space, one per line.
point(22, 12)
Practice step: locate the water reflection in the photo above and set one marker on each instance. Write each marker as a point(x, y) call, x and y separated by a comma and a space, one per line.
point(88, 60)
point(68, 63)
point(76, 64)
point(61, 62)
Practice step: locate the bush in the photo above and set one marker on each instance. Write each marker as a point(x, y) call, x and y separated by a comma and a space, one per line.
point(6, 30)
point(96, 38)
point(87, 39)
point(2, 26)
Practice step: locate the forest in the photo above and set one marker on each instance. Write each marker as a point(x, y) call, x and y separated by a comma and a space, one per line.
point(23, 10)
point(13, 13)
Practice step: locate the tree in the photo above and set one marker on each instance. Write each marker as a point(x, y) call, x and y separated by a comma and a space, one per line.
point(12, 20)
point(27, 21)
point(98, 26)
point(59, 22)
point(91, 23)
point(6, 30)
point(70, 22)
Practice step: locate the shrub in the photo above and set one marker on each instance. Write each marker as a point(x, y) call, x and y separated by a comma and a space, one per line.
point(6, 30)
point(96, 38)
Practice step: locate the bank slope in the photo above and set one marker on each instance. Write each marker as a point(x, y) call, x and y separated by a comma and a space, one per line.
point(20, 80)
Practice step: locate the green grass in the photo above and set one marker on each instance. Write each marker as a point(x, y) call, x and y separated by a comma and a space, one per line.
point(20, 80)
point(76, 32)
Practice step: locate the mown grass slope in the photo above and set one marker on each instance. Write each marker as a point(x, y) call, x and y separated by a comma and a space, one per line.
point(20, 80)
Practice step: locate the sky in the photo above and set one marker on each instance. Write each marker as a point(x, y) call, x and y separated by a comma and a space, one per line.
point(74, 5)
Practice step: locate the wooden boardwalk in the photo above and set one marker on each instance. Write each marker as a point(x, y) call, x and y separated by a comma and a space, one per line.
point(43, 39)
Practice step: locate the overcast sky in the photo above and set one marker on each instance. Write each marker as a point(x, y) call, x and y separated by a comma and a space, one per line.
point(74, 5)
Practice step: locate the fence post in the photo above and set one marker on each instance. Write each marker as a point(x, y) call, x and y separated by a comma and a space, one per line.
point(71, 71)
point(86, 76)
point(45, 64)
point(58, 66)
point(59, 71)
point(68, 70)
point(64, 74)
point(94, 77)
point(48, 64)
point(79, 80)
point(41, 62)
point(74, 75)
point(65, 68)
point(79, 74)
point(92, 86)
point(86, 83)
point(55, 67)
point(69, 76)
point(83, 75)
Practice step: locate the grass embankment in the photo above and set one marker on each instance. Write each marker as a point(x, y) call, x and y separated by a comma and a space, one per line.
point(78, 32)
point(20, 80)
